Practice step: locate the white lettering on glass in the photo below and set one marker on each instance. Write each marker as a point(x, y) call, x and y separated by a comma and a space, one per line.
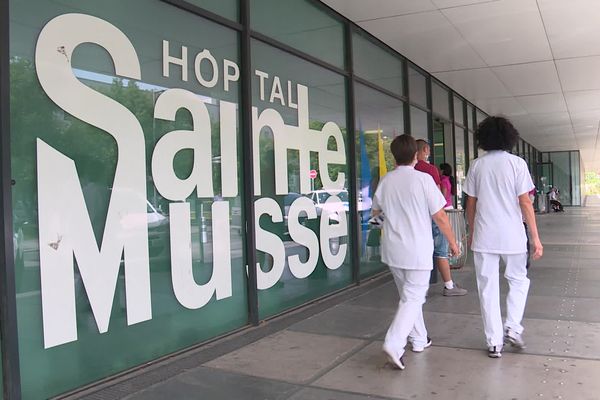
point(303, 139)
point(65, 228)
point(231, 73)
point(188, 292)
point(269, 243)
point(63, 218)
point(199, 140)
point(168, 59)
point(205, 55)
point(333, 209)
point(304, 236)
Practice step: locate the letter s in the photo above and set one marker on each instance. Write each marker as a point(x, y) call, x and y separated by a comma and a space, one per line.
point(61, 207)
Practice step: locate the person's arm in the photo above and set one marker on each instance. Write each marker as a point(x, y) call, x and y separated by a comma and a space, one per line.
point(442, 221)
point(529, 215)
point(471, 208)
point(444, 191)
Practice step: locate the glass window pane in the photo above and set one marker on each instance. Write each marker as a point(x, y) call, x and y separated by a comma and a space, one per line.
point(480, 116)
point(379, 119)
point(460, 173)
point(472, 149)
point(443, 144)
point(313, 110)
point(561, 175)
point(300, 24)
point(576, 178)
point(225, 8)
point(470, 122)
point(417, 87)
point(153, 218)
point(440, 100)
point(386, 72)
point(459, 116)
point(418, 122)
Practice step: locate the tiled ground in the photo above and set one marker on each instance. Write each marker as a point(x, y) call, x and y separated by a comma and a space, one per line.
point(336, 354)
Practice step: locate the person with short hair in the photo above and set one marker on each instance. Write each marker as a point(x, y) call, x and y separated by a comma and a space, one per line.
point(498, 186)
point(407, 200)
point(440, 249)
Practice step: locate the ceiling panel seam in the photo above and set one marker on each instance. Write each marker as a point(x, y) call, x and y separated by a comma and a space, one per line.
point(537, 3)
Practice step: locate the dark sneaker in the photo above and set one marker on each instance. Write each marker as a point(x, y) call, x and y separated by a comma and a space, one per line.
point(394, 360)
point(418, 349)
point(495, 351)
point(514, 339)
point(455, 291)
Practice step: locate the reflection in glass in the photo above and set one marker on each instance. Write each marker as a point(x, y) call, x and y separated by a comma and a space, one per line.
point(297, 262)
point(480, 116)
point(576, 178)
point(440, 100)
point(379, 118)
point(418, 123)
point(561, 175)
point(470, 117)
point(417, 87)
point(460, 169)
point(386, 72)
point(443, 144)
point(96, 155)
point(301, 24)
point(459, 116)
point(472, 148)
point(225, 8)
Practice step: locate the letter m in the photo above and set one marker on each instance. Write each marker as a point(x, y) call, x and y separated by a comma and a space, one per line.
point(65, 234)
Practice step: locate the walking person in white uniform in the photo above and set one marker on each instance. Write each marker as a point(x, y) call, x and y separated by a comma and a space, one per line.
point(408, 200)
point(498, 186)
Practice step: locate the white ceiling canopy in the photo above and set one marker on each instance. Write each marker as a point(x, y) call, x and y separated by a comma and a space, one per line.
point(537, 62)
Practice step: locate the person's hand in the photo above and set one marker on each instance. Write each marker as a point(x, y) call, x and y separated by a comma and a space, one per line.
point(454, 250)
point(538, 249)
point(469, 240)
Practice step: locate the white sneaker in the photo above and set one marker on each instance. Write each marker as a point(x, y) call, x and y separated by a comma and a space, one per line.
point(514, 339)
point(419, 349)
point(495, 351)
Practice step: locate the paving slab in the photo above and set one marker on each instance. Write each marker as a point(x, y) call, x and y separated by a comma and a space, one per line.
point(543, 337)
point(206, 383)
point(385, 296)
point(347, 321)
point(459, 374)
point(289, 356)
point(311, 393)
point(549, 307)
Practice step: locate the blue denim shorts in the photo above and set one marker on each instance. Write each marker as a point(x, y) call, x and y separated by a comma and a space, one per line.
point(440, 243)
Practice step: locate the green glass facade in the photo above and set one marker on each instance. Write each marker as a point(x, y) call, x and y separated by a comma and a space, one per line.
point(562, 169)
point(135, 179)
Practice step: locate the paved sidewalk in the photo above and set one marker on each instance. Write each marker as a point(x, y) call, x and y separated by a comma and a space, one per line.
point(336, 353)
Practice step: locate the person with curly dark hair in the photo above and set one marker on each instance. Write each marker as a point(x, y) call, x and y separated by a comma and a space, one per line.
point(498, 186)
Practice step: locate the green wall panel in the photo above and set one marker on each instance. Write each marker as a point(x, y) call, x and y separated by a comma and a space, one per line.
point(99, 159)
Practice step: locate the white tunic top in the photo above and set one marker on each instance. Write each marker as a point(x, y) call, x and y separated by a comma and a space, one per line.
point(408, 198)
point(497, 179)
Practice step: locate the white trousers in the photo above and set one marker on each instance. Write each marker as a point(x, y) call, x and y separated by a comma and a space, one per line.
point(408, 322)
point(487, 268)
